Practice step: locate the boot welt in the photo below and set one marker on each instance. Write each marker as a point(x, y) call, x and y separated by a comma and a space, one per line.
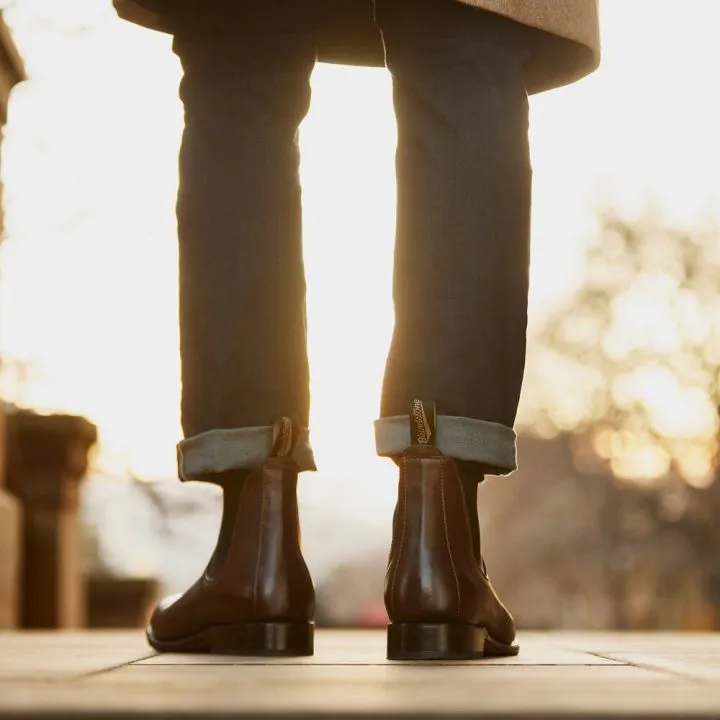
point(443, 641)
point(494, 648)
point(256, 639)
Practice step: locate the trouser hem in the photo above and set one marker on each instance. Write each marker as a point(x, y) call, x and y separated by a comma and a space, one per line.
point(218, 451)
point(490, 444)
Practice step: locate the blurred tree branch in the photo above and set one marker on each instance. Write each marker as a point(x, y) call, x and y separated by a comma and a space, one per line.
point(630, 362)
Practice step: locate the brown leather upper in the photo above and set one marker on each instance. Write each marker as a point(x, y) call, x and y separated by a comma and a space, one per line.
point(433, 575)
point(263, 577)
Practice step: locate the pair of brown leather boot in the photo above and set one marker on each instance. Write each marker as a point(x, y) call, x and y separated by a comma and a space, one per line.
point(257, 597)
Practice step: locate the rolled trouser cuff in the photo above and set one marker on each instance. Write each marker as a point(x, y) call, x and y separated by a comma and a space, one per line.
point(218, 451)
point(487, 443)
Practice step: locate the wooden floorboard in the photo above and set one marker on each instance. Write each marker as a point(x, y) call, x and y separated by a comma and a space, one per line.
point(56, 656)
point(559, 675)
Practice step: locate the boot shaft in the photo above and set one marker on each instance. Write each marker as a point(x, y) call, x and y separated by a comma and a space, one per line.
point(264, 563)
point(432, 573)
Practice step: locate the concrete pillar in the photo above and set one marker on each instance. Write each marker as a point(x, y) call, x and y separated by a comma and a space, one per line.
point(10, 543)
point(49, 457)
point(11, 73)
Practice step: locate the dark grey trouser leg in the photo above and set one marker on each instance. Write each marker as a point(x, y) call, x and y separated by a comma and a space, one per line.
point(462, 254)
point(242, 283)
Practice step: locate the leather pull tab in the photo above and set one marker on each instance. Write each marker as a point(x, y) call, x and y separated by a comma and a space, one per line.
point(422, 423)
point(283, 437)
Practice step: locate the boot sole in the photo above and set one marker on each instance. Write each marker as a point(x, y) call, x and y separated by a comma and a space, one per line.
point(244, 639)
point(494, 648)
point(446, 641)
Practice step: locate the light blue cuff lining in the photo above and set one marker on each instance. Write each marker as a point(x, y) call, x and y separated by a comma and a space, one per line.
point(460, 438)
point(218, 451)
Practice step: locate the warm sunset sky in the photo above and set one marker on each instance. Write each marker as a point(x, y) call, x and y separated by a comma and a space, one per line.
point(88, 293)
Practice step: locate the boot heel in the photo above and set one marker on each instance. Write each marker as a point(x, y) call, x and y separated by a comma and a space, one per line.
point(423, 641)
point(263, 639)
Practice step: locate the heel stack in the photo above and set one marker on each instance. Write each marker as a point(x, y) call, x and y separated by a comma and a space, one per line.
point(264, 639)
point(423, 641)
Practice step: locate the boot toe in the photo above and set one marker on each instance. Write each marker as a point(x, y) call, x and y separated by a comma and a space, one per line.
point(159, 628)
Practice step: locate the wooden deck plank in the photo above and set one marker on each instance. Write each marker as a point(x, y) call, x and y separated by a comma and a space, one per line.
point(57, 655)
point(557, 676)
point(618, 642)
point(368, 648)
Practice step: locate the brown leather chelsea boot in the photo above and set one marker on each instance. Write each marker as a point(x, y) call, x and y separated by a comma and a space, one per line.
point(256, 597)
point(439, 599)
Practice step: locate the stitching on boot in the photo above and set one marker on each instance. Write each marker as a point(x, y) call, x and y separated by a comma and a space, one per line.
point(219, 576)
point(447, 535)
point(485, 578)
point(260, 546)
point(402, 535)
